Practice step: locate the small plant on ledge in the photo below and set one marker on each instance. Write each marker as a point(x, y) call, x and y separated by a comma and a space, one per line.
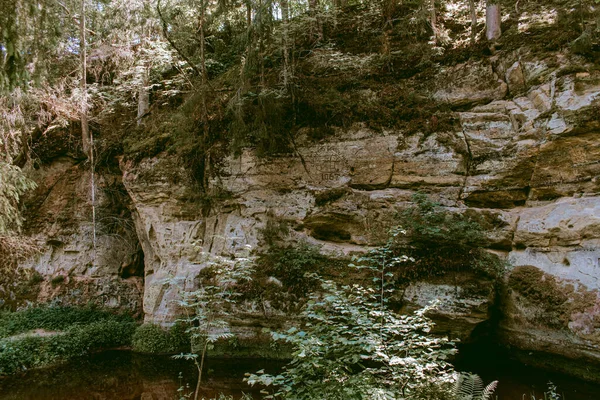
point(440, 241)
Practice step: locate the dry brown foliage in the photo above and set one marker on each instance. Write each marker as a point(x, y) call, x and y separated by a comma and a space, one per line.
point(14, 249)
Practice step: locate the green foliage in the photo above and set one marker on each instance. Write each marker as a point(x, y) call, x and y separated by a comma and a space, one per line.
point(263, 120)
point(293, 266)
point(150, 338)
point(274, 231)
point(550, 394)
point(183, 396)
point(428, 224)
point(57, 280)
point(70, 332)
point(30, 351)
point(351, 345)
point(284, 275)
point(348, 348)
point(441, 241)
point(54, 319)
point(208, 307)
point(13, 184)
point(470, 387)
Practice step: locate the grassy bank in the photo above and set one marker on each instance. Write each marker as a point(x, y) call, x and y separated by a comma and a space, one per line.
point(42, 336)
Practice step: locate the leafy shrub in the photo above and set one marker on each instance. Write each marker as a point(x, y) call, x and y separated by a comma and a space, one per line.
point(22, 353)
point(351, 345)
point(440, 241)
point(208, 307)
point(351, 348)
point(179, 336)
point(293, 266)
point(53, 318)
point(150, 338)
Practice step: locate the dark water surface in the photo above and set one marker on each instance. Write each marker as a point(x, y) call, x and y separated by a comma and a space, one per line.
point(123, 375)
point(517, 381)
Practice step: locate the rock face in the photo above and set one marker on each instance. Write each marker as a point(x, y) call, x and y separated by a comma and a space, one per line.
point(523, 152)
point(72, 270)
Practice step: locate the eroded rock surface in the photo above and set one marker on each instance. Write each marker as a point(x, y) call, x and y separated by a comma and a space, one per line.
point(73, 269)
point(522, 153)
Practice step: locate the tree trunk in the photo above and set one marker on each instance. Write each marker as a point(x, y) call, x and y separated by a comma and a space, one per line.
point(249, 45)
point(143, 98)
point(493, 20)
point(85, 130)
point(316, 29)
point(143, 92)
point(261, 52)
point(285, 16)
point(248, 14)
point(473, 20)
point(200, 368)
point(434, 23)
point(205, 129)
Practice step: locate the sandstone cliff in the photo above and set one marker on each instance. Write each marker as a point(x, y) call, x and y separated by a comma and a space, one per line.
point(520, 149)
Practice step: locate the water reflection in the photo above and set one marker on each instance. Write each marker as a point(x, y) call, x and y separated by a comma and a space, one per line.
point(517, 381)
point(122, 375)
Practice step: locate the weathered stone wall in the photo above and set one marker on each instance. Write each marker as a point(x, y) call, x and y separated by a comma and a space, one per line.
point(523, 152)
point(71, 270)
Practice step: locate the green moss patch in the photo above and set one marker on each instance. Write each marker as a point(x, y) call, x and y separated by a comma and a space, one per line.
point(559, 304)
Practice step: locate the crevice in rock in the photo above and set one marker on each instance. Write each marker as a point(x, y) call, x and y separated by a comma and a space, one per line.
point(533, 171)
point(468, 160)
point(135, 267)
point(330, 233)
point(513, 232)
point(212, 239)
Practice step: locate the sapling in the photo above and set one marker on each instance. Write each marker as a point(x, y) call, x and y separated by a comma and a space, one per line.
point(209, 307)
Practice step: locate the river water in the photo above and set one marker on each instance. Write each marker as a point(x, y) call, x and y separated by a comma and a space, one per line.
point(123, 375)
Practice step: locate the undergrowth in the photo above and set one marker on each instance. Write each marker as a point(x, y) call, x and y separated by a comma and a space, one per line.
point(22, 353)
point(150, 338)
point(285, 276)
point(54, 319)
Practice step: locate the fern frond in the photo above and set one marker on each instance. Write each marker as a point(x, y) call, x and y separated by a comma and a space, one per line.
point(470, 387)
point(465, 387)
point(489, 391)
